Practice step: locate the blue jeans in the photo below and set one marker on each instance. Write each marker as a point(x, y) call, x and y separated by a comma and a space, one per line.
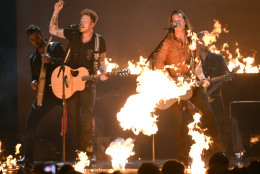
point(80, 108)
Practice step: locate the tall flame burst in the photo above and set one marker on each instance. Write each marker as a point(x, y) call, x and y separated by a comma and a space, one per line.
point(201, 142)
point(137, 68)
point(254, 139)
point(245, 63)
point(120, 150)
point(17, 149)
point(82, 163)
point(10, 162)
point(152, 87)
point(110, 65)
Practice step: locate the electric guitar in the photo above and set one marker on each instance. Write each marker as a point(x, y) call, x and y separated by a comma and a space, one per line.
point(166, 104)
point(75, 79)
point(218, 85)
point(42, 77)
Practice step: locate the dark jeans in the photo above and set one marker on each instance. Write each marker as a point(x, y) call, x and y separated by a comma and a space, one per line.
point(80, 108)
point(182, 115)
point(36, 114)
point(223, 121)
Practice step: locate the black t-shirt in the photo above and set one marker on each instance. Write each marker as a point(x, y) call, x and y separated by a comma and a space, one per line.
point(82, 54)
point(57, 54)
point(214, 65)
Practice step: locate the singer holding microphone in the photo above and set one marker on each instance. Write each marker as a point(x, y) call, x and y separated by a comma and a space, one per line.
point(88, 49)
point(175, 51)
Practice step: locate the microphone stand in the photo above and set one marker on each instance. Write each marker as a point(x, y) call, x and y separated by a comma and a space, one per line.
point(151, 57)
point(64, 83)
point(155, 51)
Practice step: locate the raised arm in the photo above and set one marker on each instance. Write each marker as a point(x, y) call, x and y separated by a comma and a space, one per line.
point(53, 28)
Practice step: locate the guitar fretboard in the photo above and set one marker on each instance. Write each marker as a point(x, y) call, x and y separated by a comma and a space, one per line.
point(90, 77)
point(215, 79)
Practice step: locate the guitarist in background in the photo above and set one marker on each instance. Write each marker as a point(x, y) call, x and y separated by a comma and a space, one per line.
point(175, 51)
point(88, 49)
point(55, 55)
point(214, 65)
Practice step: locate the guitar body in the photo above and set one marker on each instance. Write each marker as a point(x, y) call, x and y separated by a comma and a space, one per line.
point(74, 82)
point(168, 103)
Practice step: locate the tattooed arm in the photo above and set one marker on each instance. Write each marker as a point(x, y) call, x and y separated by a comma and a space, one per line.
point(199, 73)
point(53, 28)
point(103, 66)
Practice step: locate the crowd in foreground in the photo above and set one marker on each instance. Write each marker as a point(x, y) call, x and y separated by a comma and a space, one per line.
point(217, 164)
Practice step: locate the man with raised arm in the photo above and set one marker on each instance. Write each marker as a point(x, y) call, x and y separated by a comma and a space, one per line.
point(88, 49)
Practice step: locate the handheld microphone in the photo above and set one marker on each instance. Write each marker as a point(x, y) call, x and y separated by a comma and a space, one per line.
point(74, 26)
point(172, 26)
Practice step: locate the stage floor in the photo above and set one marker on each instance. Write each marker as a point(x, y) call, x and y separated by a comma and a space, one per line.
point(105, 166)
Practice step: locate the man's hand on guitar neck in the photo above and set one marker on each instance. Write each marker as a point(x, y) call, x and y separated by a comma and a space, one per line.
point(206, 82)
point(46, 59)
point(34, 85)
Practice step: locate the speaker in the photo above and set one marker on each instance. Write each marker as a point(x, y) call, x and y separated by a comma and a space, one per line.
point(247, 118)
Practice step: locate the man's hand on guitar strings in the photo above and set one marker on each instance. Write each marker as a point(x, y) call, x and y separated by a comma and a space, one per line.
point(206, 82)
point(103, 77)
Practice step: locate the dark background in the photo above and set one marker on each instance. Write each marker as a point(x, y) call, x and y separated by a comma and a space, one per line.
point(132, 28)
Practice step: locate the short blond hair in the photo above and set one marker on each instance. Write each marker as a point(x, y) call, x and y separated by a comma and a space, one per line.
point(92, 14)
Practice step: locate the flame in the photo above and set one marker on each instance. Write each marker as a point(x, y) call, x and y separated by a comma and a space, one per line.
point(2, 166)
point(82, 163)
point(10, 161)
point(201, 142)
point(17, 149)
point(110, 65)
point(120, 150)
point(153, 87)
point(138, 67)
point(255, 139)
point(210, 38)
point(194, 39)
point(245, 63)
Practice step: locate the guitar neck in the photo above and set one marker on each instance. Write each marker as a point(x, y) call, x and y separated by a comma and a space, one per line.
point(212, 80)
point(118, 72)
point(219, 78)
point(90, 77)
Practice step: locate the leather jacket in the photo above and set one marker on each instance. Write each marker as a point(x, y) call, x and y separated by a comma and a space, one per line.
point(174, 53)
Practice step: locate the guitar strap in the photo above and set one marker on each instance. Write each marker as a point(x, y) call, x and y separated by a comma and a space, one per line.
point(192, 61)
point(96, 53)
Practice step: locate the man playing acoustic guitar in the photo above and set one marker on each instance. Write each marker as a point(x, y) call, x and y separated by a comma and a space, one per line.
point(175, 51)
point(88, 50)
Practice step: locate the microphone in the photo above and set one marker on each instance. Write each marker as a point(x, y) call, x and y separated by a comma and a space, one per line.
point(172, 26)
point(74, 26)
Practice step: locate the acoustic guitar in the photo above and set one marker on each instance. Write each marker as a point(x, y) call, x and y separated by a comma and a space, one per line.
point(75, 79)
point(168, 103)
